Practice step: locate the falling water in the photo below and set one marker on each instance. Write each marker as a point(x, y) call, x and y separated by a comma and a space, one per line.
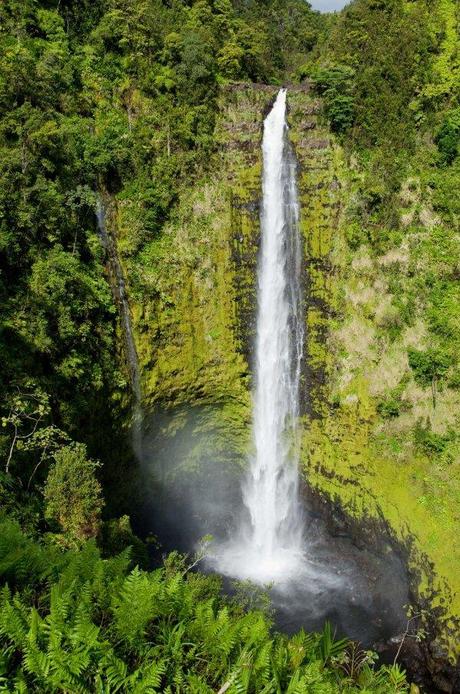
point(320, 576)
point(268, 545)
point(316, 576)
point(125, 315)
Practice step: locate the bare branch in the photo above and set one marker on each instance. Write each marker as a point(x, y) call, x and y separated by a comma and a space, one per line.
point(405, 636)
point(42, 457)
point(10, 454)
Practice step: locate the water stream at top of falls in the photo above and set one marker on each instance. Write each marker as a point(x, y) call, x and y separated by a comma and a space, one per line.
point(268, 543)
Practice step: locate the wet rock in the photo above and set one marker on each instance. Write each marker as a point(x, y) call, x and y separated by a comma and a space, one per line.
point(443, 684)
point(396, 640)
point(437, 651)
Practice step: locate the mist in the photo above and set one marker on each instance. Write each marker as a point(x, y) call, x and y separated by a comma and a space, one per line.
point(193, 461)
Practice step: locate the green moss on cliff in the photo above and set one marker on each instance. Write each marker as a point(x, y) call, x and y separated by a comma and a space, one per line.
point(193, 297)
point(192, 286)
point(376, 441)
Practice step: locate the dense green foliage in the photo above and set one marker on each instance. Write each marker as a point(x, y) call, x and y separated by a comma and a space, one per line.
point(114, 98)
point(105, 96)
point(395, 366)
point(119, 99)
point(73, 494)
point(389, 78)
point(335, 86)
point(76, 623)
point(389, 75)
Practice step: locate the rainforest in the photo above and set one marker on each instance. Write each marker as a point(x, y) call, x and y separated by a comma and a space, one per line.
point(229, 347)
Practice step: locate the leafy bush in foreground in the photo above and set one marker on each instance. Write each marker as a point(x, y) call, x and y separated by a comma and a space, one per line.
point(73, 622)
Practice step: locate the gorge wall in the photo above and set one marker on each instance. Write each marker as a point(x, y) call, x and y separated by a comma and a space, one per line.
point(192, 297)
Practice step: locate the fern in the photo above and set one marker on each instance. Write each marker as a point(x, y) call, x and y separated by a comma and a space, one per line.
point(100, 630)
point(13, 619)
point(195, 685)
point(115, 672)
point(262, 663)
point(147, 679)
point(135, 606)
point(298, 685)
point(328, 647)
point(300, 647)
point(21, 560)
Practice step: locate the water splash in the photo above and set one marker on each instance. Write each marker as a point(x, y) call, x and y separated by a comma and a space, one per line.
point(268, 544)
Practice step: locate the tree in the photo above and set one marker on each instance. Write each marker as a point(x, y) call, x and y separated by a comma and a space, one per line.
point(448, 137)
point(229, 60)
point(73, 495)
point(28, 420)
point(428, 367)
point(335, 84)
point(26, 413)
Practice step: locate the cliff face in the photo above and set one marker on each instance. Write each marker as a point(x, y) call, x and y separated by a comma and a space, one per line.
point(359, 452)
point(193, 287)
point(192, 295)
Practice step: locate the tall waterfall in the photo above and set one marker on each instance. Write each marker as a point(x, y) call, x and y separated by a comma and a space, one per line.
point(269, 542)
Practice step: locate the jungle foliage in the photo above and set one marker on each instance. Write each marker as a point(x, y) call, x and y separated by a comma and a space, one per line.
point(389, 77)
point(74, 622)
point(99, 96)
point(397, 64)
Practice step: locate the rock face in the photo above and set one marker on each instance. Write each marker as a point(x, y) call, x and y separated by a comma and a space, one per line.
point(193, 306)
point(346, 463)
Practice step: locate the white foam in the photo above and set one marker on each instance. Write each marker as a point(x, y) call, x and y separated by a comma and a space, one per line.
point(268, 544)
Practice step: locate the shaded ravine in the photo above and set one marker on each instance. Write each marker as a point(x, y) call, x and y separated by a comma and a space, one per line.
point(186, 501)
point(362, 589)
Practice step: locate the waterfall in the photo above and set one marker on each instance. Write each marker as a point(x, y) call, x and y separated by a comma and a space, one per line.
point(119, 284)
point(271, 490)
point(268, 544)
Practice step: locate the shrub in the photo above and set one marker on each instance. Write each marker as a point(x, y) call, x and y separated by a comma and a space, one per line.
point(448, 137)
point(335, 85)
point(102, 627)
point(73, 495)
point(428, 365)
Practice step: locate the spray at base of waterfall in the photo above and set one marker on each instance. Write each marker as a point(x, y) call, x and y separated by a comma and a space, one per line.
point(192, 489)
point(268, 542)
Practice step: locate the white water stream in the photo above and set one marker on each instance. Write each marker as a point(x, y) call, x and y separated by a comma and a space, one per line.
point(316, 576)
point(268, 543)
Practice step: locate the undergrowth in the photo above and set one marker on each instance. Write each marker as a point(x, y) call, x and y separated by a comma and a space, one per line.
point(74, 622)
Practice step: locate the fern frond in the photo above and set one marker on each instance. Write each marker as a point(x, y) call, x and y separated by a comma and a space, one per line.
point(148, 679)
point(115, 672)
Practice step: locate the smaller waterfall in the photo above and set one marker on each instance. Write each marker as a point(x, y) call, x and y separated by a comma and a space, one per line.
point(269, 542)
point(118, 279)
